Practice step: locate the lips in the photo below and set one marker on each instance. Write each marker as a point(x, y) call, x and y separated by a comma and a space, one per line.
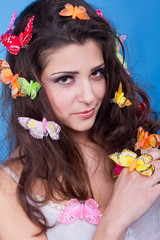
point(85, 114)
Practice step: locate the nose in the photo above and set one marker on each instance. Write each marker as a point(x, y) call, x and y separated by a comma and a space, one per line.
point(86, 94)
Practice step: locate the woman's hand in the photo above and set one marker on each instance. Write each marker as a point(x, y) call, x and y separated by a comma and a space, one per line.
point(133, 195)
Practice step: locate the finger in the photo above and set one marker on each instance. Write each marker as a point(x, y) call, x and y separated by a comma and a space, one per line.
point(156, 191)
point(155, 178)
point(155, 153)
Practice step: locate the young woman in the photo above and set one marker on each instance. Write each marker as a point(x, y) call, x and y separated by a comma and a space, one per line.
point(61, 186)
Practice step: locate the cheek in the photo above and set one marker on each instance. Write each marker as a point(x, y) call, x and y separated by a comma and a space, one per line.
point(58, 99)
point(100, 89)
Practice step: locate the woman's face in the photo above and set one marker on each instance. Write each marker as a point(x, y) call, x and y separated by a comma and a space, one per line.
point(75, 84)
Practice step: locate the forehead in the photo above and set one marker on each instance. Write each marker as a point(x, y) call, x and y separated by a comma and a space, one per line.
point(74, 56)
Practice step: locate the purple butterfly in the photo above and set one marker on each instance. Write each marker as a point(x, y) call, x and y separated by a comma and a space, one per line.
point(11, 27)
point(75, 209)
point(39, 129)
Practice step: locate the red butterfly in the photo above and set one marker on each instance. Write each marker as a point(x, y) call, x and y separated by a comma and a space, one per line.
point(14, 43)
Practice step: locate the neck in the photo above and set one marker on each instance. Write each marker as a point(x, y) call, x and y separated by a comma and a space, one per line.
point(82, 138)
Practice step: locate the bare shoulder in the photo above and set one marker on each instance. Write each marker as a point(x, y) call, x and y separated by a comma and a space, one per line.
point(14, 223)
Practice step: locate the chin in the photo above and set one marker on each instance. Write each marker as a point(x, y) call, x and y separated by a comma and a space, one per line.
point(83, 127)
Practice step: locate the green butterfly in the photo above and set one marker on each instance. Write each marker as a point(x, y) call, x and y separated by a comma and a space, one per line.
point(29, 89)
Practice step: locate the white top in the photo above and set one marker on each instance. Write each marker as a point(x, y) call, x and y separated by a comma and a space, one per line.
point(145, 228)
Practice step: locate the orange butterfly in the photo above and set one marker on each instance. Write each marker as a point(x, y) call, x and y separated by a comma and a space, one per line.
point(145, 142)
point(7, 77)
point(79, 12)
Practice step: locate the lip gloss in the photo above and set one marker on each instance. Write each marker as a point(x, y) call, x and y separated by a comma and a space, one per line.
point(86, 114)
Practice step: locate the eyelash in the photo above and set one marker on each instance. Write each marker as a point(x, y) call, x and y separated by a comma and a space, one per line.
point(63, 78)
point(102, 71)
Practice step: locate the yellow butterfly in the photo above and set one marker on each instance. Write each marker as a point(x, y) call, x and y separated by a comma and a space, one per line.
point(129, 159)
point(120, 99)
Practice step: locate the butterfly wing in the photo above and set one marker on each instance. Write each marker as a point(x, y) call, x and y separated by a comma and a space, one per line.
point(120, 88)
point(10, 27)
point(143, 165)
point(15, 89)
point(123, 101)
point(11, 24)
point(27, 35)
point(128, 102)
point(11, 42)
point(114, 157)
point(121, 59)
point(81, 13)
point(6, 74)
point(117, 169)
point(158, 139)
point(34, 89)
point(53, 129)
point(152, 140)
point(120, 99)
point(122, 39)
point(67, 11)
point(140, 137)
point(71, 212)
point(35, 127)
point(119, 95)
point(126, 157)
point(91, 212)
point(25, 86)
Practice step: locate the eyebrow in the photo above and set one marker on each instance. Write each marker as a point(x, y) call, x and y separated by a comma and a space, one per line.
point(76, 72)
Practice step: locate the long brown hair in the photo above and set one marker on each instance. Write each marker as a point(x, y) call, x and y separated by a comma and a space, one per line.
point(60, 163)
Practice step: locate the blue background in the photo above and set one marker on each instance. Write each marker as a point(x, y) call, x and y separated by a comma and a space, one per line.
point(138, 19)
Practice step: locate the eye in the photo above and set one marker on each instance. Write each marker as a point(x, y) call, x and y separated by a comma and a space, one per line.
point(98, 74)
point(65, 80)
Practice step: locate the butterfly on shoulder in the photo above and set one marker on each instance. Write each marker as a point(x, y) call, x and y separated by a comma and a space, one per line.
point(145, 141)
point(129, 159)
point(120, 99)
point(7, 77)
point(79, 12)
point(11, 24)
point(29, 89)
point(14, 43)
point(75, 209)
point(39, 129)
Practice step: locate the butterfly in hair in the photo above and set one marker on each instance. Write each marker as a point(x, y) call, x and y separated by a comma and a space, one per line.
point(79, 12)
point(11, 24)
point(118, 47)
point(29, 89)
point(75, 209)
point(14, 43)
point(145, 141)
point(120, 99)
point(39, 129)
point(129, 159)
point(7, 77)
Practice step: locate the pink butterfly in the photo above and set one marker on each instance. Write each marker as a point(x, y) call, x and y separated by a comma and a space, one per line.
point(11, 27)
point(39, 129)
point(77, 210)
point(99, 13)
point(14, 43)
